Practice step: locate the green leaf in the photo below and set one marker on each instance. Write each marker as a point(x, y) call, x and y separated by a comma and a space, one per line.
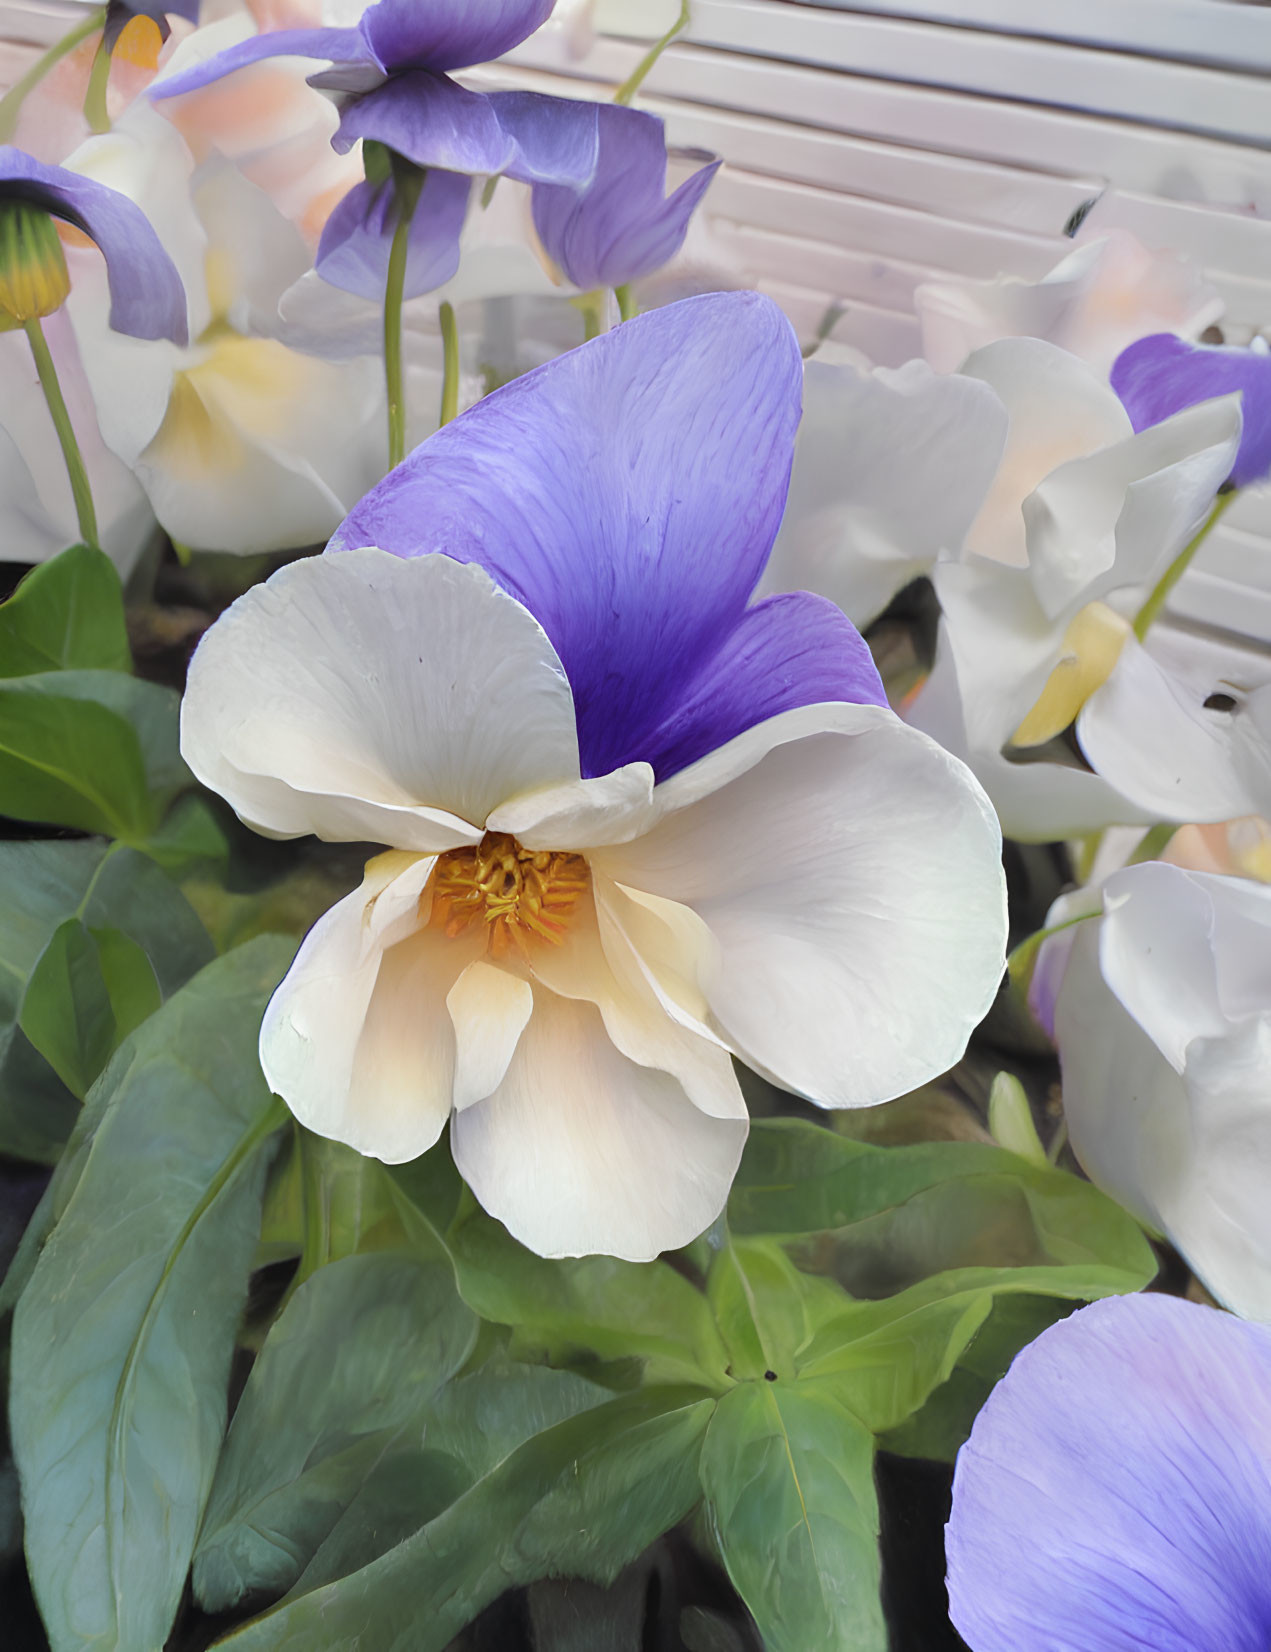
point(788, 1477)
point(43, 886)
point(354, 1357)
point(584, 1497)
point(123, 1336)
point(597, 1305)
point(188, 838)
point(66, 615)
point(87, 992)
point(476, 1422)
point(881, 1218)
point(94, 750)
point(765, 1308)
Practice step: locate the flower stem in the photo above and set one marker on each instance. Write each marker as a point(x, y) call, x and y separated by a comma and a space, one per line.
point(593, 306)
point(11, 102)
point(95, 111)
point(626, 301)
point(1153, 842)
point(627, 91)
point(450, 363)
point(408, 190)
point(1151, 609)
point(80, 490)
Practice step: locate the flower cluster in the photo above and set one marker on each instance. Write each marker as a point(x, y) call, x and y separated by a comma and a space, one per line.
point(505, 757)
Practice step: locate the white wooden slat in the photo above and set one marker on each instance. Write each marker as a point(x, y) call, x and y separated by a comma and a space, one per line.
point(1203, 31)
point(1172, 164)
point(863, 277)
point(1208, 600)
point(1158, 91)
point(1235, 241)
point(981, 191)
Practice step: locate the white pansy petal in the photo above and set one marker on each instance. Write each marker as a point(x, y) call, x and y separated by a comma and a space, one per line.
point(1059, 409)
point(890, 470)
point(489, 1008)
point(1118, 517)
point(1003, 648)
point(599, 963)
point(1156, 742)
point(356, 1040)
point(851, 876)
point(582, 1151)
point(581, 814)
point(366, 696)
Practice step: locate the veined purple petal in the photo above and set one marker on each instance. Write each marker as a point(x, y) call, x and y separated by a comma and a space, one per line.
point(621, 227)
point(329, 45)
point(1115, 1494)
point(628, 494)
point(449, 34)
point(435, 122)
point(353, 252)
point(790, 650)
point(1162, 374)
point(147, 299)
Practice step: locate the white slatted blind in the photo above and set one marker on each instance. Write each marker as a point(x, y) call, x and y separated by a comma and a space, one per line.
point(872, 145)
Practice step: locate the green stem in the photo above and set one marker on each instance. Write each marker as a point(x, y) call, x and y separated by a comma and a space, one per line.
point(632, 84)
point(1151, 609)
point(408, 192)
point(1152, 842)
point(450, 363)
point(1022, 960)
point(626, 301)
point(80, 490)
point(11, 102)
point(1087, 855)
point(592, 306)
point(95, 111)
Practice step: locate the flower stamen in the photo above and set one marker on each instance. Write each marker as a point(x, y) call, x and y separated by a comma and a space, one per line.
point(520, 895)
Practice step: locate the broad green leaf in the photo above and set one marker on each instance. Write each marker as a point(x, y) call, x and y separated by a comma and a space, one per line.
point(89, 989)
point(188, 837)
point(472, 1425)
point(95, 750)
point(881, 1218)
point(66, 615)
point(597, 1305)
point(354, 1357)
point(766, 1309)
point(123, 1336)
point(42, 886)
point(940, 1427)
point(584, 1497)
point(788, 1474)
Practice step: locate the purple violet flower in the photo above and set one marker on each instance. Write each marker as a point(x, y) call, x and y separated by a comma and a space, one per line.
point(147, 299)
point(628, 495)
point(1115, 1494)
point(1160, 375)
point(395, 66)
point(622, 226)
point(119, 13)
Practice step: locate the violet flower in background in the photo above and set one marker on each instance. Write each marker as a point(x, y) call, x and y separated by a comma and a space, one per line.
point(1159, 375)
point(147, 299)
point(1115, 1493)
point(623, 225)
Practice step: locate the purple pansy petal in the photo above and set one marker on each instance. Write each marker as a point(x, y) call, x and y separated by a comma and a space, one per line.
point(435, 122)
point(1115, 1493)
point(621, 227)
point(353, 252)
point(449, 34)
point(330, 45)
point(1160, 375)
point(147, 299)
point(787, 651)
point(627, 493)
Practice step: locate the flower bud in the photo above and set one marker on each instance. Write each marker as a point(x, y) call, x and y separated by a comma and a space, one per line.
point(33, 277)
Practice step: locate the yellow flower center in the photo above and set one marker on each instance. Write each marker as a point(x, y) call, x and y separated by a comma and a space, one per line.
point(33, 277)
point(520, 895)
point(1091, 648)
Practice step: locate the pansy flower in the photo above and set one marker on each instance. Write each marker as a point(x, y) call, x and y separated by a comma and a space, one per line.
point(392, 68)
point(622, 225)
point(1157, 376)
point(1115, 1493)
point(636, 825)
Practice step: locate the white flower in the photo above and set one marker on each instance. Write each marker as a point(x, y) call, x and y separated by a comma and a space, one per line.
point(1163, 1022)
point(1082, 520)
